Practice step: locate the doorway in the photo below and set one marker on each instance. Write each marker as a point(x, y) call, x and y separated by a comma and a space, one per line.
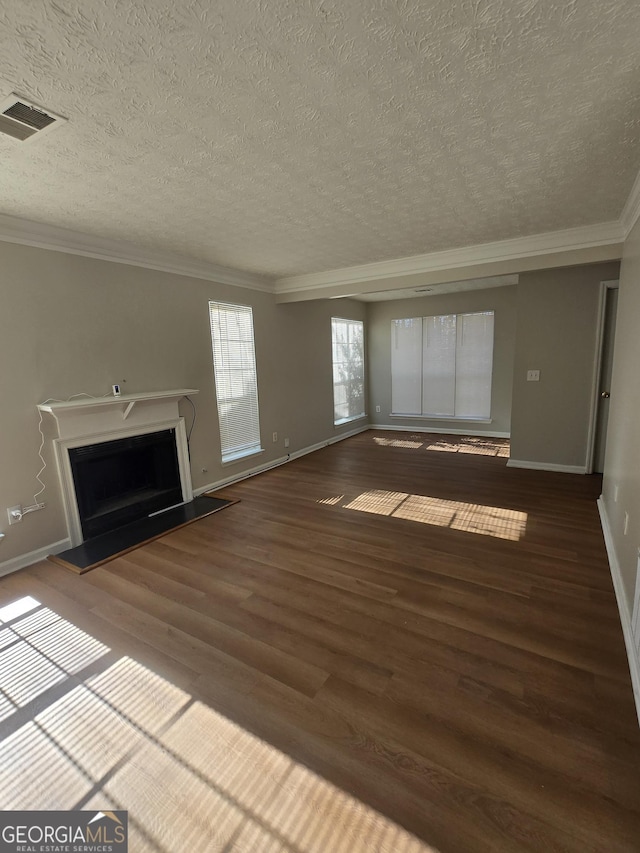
point(600, 419)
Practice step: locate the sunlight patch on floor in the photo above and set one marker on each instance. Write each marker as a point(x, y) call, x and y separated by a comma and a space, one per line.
point(84, 728)
point(336, 499)
point(398, 442)
point(39, 651)
point(473, 446)
point(456, 515)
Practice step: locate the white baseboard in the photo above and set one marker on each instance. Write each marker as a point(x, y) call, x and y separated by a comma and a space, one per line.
point(260, 469)
point(313, 447)
point(547, 466)
point(25, 560)
point(623, 607)
point(479, 433)
point(243, 475)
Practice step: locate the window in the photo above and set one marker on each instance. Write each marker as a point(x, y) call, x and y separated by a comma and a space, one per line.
point(441, 366)
point(234, 364)
point(348, 369)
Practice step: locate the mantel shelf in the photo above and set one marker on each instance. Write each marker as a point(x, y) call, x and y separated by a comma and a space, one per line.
point(93, 414)
point(124, 400)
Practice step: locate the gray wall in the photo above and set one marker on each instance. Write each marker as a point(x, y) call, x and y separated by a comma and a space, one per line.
point(557, 328)
point(70, 324)
point(548, 321)
point(622, 460)
point(502, 300)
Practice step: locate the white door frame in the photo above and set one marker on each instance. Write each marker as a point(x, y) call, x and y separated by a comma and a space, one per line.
point(597, 372)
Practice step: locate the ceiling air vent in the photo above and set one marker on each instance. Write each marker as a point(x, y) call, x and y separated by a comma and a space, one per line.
point(22, 119)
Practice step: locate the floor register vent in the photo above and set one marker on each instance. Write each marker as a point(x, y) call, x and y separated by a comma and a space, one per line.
point(22, 119)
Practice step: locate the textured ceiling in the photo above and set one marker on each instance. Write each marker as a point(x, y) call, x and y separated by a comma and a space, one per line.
point(295, 136)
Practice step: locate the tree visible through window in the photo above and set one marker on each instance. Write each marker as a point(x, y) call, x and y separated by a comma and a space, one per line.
point(441, 367)
point(234, 364)
point(348, 369)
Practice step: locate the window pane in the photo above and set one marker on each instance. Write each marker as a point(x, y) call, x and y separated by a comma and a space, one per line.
point(347, 342)
point(234, 365)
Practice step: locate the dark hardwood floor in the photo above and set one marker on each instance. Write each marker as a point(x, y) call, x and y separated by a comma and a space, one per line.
point(393, 644)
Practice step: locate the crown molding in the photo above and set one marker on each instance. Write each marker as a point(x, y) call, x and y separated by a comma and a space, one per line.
point(566, 245)
point(42, 236)
point(631, 210)
point(553, 242)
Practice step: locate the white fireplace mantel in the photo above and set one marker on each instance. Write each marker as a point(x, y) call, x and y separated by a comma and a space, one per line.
point(89, 420)
point(88, 416)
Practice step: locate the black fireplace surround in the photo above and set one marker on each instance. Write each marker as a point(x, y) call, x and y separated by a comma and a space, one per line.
point(120, 481)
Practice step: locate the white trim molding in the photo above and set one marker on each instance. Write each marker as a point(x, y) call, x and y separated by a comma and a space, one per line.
point(570, 246)
point(631, 211)
point(93, 420)
point(275, 463)
point(62, 446)
point(239, 476)
point(311, 448)
point(623, 608)
point(547, 466)
point(24, 560)
point(85, 416)
point(605, 286)
point(42, 236)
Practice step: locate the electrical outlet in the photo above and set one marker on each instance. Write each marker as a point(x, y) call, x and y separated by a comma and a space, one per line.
point(275, 437)
point(533, 376)
point(15, 514)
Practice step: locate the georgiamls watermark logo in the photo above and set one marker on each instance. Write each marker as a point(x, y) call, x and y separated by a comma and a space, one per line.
point(64, 832)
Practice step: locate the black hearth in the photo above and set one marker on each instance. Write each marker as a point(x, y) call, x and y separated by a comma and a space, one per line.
point(120, 481)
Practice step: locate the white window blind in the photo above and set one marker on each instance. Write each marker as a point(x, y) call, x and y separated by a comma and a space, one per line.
point(234, 364)
point(474, 365)
point(406, 366)
point(441, 366)
point(348, 369)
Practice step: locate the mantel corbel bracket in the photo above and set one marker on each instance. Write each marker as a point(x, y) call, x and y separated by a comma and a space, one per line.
point(128, 410)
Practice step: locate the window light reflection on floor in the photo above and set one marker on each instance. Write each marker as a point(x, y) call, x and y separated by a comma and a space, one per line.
point(17, 608)
point(397, 442)
point(334, 501)
point(109, 733)
point(476, 446)
point(456, 515)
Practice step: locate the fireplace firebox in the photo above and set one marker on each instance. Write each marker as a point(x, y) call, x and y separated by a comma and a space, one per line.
point(120, 481)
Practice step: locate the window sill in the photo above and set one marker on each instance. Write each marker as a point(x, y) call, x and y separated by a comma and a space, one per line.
point(244, 454)
point(443, 418)
point(344, 421)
